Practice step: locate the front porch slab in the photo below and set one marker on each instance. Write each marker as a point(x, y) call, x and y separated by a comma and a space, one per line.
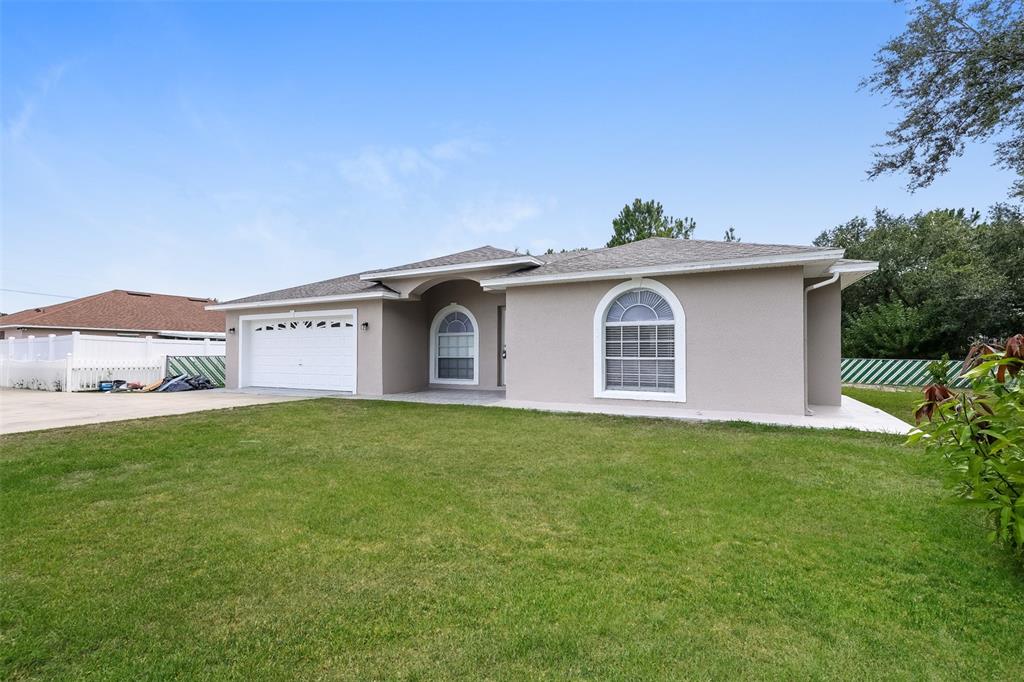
point(852, 414)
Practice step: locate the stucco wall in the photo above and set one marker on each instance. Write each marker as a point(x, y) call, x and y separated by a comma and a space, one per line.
point(483, 305)
point(744, 340)
point(405, 347)
point(393, 354)
point(368, 343)
point(416, 286)
point(823, 345)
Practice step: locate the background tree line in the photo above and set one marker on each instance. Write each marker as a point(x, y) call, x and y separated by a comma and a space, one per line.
point(945, 277)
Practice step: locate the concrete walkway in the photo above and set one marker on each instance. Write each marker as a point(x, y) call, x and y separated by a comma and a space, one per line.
point(35, 410)
point(22, 410)
point(852, 414)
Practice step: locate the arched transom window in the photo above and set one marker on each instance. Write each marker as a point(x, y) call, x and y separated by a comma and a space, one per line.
point(455, 346)
point(640, 343)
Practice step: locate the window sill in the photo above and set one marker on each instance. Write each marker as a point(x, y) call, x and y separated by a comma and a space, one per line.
point(464, 382)
point(642, 395)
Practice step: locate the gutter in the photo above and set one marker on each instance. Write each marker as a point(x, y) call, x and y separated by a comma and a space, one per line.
point(752, 262)
point(277, 303)
point(444, 269)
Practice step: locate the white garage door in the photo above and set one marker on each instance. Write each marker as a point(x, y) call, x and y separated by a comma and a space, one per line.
point(302, 352)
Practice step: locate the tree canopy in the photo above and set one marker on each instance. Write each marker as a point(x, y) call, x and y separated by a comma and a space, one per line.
point(957, 72)
point(645, 219)
point(944, 277)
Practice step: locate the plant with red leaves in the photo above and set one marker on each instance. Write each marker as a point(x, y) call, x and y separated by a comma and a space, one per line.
point(980, 433)
point(934, 395)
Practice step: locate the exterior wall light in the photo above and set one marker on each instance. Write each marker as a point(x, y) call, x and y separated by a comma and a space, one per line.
point(364, 326)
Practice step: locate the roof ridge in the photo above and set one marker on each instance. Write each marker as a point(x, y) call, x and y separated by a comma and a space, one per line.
point(722, 241)
point(419, 263)
point(586, 252)
point(154, 293)
point(118, 309)
point(34, 313)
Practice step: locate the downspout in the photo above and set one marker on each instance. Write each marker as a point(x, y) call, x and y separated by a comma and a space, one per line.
point(808, 289)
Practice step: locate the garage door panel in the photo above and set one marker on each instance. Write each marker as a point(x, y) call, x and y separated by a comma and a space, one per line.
point(314, 352)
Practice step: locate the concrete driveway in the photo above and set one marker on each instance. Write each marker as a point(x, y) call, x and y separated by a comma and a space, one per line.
point(22, 410)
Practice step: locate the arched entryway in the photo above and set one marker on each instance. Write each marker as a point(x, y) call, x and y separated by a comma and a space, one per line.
point(455, 347)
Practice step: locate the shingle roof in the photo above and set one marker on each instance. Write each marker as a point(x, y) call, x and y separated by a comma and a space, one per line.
point(660, 251)
point(649, 252)
point(554, 257)
point(351, 284)
point(482, 253)
point(128, 310)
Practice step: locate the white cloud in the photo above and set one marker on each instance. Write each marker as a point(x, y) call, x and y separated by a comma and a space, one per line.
point(393, 169)
point(457, 149)
point(278, 250)
point(19, 125)
point(492, 215)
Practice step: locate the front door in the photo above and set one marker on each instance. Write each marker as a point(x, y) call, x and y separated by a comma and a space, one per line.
point(502, 351)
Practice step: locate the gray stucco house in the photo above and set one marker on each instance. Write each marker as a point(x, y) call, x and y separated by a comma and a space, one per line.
point(702, 324)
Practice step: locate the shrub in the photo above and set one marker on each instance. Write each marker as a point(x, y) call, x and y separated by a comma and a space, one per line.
point(939, 369)
point(980, 434)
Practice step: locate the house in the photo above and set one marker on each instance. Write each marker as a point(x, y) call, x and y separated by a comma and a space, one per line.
point(119, 313)
point(702, 324)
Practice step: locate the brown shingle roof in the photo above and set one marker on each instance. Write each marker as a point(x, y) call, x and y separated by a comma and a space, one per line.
point(127, 310)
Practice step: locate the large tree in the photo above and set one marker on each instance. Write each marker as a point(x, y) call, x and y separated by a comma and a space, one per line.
point(645, 219)
point(957, 72)
point(944, 277)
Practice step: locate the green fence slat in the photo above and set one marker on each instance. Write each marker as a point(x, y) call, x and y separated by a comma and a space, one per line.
point(895, 372)
point(210, 366)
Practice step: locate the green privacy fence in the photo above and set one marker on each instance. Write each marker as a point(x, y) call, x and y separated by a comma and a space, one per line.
point(853, 370)
point(895, 372)
point(210, 366)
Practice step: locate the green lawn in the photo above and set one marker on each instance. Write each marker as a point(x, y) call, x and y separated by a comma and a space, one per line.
point(377, 540)
point(897, 402)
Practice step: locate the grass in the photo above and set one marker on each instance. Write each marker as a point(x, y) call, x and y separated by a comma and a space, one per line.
point(897, 402)
point(371, 540)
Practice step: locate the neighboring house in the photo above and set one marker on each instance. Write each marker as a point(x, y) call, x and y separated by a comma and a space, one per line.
point(120, 313)
point(708, 325)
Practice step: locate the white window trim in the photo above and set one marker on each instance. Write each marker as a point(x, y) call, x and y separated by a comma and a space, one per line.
point(677, 396)
point(245, 320)
point(434, 326)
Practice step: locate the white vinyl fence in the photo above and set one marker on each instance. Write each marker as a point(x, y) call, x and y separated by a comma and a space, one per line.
point(79, 362)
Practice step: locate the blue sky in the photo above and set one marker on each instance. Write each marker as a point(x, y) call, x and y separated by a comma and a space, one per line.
point(227, 149)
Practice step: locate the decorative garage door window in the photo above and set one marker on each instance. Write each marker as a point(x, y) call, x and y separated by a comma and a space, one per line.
point(456, 347)
point(315, 351)
point(301, 324)
point(639, 343)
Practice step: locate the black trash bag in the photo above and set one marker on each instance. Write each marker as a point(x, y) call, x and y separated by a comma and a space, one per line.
point(200, 382)
point(176, 384)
